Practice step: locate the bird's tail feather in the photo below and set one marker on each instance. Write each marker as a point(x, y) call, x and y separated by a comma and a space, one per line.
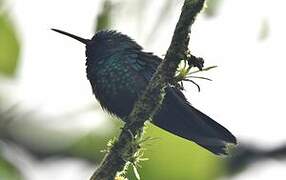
point(179, 117)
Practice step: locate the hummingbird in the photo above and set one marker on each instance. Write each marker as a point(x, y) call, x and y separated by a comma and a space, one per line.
point(119, 70)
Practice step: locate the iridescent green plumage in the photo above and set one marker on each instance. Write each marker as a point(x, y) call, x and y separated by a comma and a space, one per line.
point(119, 71)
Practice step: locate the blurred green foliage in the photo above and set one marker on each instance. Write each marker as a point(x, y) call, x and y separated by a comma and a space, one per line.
point(9, 54)
point(8, 171)
point(212, 7)
point(91, 146)
point(9, 46)
point(264, 30)
point(171, 157)
point(103, 20)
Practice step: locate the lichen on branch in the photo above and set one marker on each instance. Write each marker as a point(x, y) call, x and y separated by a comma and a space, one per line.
point(125, 149)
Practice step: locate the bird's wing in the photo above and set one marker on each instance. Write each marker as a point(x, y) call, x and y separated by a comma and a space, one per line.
point(145, 64)
point(177, 116)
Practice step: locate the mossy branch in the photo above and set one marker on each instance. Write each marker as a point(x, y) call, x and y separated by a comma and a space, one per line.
point(125, 149)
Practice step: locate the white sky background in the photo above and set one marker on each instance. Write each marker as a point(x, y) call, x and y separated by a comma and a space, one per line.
point(247, 94)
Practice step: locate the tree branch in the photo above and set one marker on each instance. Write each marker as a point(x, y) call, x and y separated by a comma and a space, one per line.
point(125, 149)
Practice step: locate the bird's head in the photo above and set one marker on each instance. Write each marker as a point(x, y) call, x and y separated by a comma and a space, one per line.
point(104, 43)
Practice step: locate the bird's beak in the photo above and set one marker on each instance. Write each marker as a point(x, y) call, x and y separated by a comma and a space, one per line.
point(82, 40)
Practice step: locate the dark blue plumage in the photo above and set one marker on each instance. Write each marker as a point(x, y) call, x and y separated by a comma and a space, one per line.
point(119, 71)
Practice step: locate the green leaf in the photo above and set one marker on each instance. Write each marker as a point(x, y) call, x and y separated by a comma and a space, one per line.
point(9, 46)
